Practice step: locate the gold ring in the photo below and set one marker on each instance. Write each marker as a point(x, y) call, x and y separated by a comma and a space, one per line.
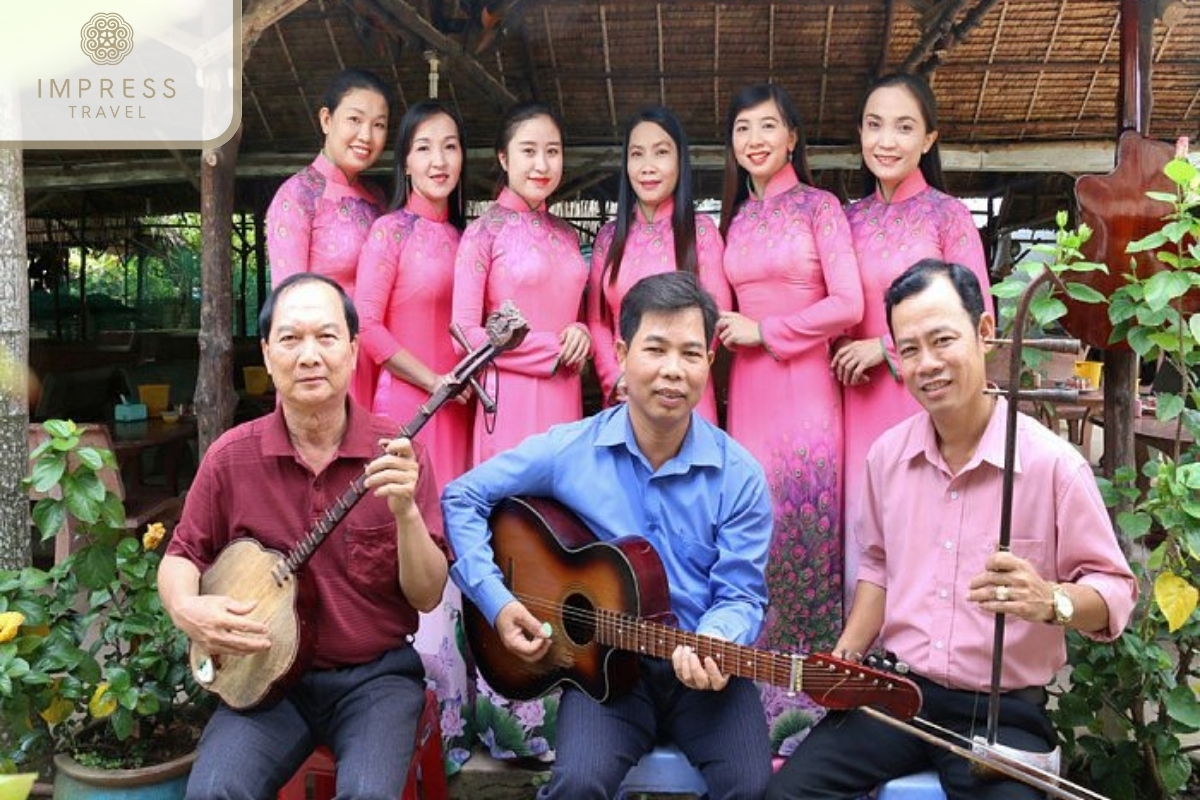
point(1002, 594)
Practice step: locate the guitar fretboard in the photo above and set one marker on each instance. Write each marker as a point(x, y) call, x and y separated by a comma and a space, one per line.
point(659, 641)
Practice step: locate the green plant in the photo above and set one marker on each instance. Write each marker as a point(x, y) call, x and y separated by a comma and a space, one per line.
point(90, 664)
point(1131, 701)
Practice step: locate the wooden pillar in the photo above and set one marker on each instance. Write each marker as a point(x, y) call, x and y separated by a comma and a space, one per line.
point(215, 395)
point(1121, 365)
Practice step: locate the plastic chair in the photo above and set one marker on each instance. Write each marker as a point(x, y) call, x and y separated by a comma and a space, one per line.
point(918, 786)
point(664, 770)
point(426, 774)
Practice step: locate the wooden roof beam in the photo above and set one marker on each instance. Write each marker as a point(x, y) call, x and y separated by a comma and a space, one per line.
point(562, 112)
point(608, 83)
point(825, 68)
point(941, 45)
point(403, 20)
point(258, 15)
point(287, 56)
point(337, 51)
point(1052, 156)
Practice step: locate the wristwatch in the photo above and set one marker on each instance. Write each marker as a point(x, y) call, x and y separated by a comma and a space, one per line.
point(1064, 606)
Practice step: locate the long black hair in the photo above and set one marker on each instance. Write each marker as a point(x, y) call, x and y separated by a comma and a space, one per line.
point(734, 190)
point(918, 87)
point(412, 119)
point(683, 216)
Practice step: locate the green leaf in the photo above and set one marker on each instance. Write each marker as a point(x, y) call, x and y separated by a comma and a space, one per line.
point(1164, 197)
point(50, 516)
point(1175, 231)
point(1009, 288)
point(1163, 287)
point(47, 472)
point(1134, 524)
point(1151, 242)
point(1183, 707)
point(1083, 293)
point(1169, 406)
point(1045, 309)
point(90, 457)
point(1180, 171)
point(1194, 327)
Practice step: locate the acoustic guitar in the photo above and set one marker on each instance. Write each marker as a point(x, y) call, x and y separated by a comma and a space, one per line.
point(607, 604)
point(245, 570)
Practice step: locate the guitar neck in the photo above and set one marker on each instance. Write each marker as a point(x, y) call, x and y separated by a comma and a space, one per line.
point(655, 639)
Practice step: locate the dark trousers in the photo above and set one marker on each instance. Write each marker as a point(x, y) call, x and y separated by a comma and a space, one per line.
point(849, 753)
point(367, 715)
point(724, 734)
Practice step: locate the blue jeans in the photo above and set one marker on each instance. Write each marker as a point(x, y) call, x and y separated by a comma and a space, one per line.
point(724, 734)
point(366, 714)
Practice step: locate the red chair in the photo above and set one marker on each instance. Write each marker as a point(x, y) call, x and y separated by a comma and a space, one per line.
point(426, 775)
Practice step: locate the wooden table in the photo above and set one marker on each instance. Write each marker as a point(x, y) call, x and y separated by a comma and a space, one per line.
point(131, 439)
point(1151, 432)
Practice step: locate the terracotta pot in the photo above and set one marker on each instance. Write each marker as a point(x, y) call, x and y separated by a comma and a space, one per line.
point(73, 781)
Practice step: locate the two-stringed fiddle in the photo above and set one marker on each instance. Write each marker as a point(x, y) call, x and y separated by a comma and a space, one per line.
point(607, 604)
point(245, 570)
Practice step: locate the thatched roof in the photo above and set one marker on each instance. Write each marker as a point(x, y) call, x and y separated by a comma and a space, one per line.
point(1026, 87)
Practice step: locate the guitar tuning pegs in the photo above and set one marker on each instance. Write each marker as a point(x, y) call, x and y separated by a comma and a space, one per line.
point(901, 668)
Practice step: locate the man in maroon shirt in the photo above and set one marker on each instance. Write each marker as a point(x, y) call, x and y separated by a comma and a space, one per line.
point(271, 479)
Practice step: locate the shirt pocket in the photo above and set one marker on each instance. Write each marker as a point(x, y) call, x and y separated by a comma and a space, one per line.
point(1037, 553)
point(373, 559)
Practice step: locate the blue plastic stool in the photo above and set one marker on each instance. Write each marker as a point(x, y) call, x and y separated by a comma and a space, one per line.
point(664, 770)
point(918, 786)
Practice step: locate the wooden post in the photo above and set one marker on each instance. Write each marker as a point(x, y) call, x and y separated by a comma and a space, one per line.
point(215, 396)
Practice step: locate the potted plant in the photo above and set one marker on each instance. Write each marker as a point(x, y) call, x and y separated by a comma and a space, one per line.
point(1132, 702)
point(91, 668)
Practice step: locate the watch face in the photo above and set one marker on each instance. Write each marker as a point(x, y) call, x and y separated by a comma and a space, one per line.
point(1064, 609)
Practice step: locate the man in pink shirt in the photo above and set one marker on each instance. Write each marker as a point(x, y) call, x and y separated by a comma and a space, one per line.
point(931, 579)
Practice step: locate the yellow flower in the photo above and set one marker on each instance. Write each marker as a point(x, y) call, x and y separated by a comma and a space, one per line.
point(154, 534)
point(10, 621)
point(103, 702)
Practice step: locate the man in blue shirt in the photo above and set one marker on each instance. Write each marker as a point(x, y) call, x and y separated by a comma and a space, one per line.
point(648, 467)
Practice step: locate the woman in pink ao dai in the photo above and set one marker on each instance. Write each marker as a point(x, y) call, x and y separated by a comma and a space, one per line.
point(405, 279)
point(907, 217)
point(790, 261)
point(517, 250)
point(656, 230)
point(320, 217)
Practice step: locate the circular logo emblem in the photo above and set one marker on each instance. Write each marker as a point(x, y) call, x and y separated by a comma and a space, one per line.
point(106, 38)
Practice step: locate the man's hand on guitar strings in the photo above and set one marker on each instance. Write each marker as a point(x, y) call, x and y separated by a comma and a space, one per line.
point(525, 636)
point(220, 624)
point(703, 677)
point(394, 475)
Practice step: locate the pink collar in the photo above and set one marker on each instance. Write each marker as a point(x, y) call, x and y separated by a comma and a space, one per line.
point(420, 205)
point(782, 181)
point(910, 187)
point(514, 202)
point(664, 211)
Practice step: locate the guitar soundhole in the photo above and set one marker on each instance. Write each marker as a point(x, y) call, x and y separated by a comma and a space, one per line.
point(579, 619)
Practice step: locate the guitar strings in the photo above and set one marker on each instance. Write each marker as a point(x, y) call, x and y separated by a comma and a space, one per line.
point(779, 669)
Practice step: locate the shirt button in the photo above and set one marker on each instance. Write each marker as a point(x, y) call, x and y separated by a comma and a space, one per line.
point(948, 545)
point(939, 644)
point(954, 495)
point(942, 593)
